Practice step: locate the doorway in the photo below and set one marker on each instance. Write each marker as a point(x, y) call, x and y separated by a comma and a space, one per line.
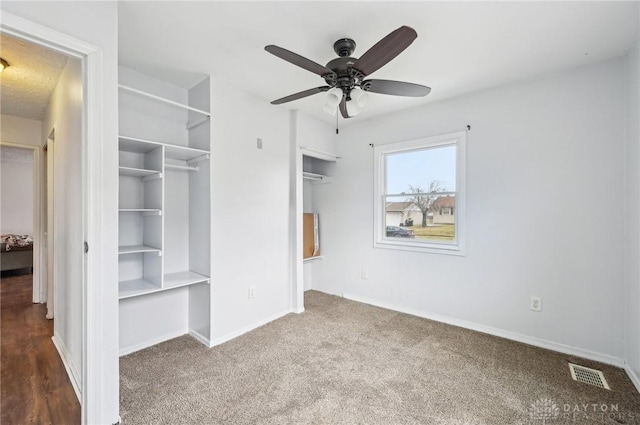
point(50, 112)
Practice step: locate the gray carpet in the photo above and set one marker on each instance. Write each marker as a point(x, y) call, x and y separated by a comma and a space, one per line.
point(343, 362)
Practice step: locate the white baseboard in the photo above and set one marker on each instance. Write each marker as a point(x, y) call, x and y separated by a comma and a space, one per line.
point(153, 341)
point(235, 334)
point(633, 376)
point(298, 310)
point(72, 372)
point(200, 337)
point(514, 336)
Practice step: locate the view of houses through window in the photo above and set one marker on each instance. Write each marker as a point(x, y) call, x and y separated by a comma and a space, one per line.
point(420, 194)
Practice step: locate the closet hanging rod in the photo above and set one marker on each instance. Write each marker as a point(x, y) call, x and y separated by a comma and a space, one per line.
point(181, 167)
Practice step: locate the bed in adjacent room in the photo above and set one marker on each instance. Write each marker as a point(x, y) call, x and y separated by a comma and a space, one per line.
point(16, 252)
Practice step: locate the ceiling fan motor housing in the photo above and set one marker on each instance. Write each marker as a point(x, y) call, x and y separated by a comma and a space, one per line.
point(344, 47)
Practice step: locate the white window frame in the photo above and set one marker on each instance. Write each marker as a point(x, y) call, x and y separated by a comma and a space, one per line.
point(456, 247)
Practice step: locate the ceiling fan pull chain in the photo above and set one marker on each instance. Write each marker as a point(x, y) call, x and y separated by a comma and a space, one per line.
point(337, 131)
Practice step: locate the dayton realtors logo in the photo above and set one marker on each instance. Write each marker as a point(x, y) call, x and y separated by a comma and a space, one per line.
point(544, 409)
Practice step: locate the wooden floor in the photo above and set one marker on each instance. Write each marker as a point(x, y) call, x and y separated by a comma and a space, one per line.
point(34, 386)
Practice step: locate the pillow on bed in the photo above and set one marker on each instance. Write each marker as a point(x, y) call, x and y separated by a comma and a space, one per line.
point(15, 241)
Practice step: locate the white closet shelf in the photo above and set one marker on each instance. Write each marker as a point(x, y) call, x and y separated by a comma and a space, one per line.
point(136, 287)
point(176, 280)
point(310, 259)
point(139, 172)
point(316, 153)
point(132, 249)
point(163, 100)
point(182, 153)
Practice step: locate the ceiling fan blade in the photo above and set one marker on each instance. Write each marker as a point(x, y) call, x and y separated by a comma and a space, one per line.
point(300, 95)
point(300, 61)
point(343, 108)
point(385, 50)
point(395, 88)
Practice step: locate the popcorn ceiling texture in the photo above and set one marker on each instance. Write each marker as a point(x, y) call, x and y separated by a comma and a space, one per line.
point(33, 73)
point(343, 362)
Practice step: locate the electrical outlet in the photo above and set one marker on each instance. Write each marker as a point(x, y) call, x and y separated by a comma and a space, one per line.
point(252, 292)
point(364, 274)
point(259, 143)
point(535, 303)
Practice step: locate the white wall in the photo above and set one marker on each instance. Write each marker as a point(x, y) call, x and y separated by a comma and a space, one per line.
point(21, 131)
point(64, 114)
point(17, 177)
point(16, 193)
point(544, 214)
point(632, 213)
point(97, 24)
point(251, 205)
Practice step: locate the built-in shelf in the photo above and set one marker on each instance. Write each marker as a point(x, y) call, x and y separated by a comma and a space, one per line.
point(139, 172)
point(310, 259)
point(182, 153)
point(133, 249)
point(316, 153)
point(163, 100)
point(176, 280)
point(144, 211)
point(138, 287)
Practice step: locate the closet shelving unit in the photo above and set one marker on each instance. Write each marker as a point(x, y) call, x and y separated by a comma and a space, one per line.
point(316, 165)
point(145, 167)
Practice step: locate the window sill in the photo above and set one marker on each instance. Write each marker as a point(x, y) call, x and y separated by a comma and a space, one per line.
point(420, 247)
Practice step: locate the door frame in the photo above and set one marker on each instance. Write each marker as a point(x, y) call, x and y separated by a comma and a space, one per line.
point(93, 361)
point(38, 278)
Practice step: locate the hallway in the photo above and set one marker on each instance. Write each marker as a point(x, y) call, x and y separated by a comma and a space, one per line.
point(34, 386)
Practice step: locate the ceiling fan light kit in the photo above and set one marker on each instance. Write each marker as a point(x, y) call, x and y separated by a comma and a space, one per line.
point(345, 76)
point(334, 97)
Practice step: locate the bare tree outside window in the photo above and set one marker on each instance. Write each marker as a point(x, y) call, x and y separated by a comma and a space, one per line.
point(424, 199)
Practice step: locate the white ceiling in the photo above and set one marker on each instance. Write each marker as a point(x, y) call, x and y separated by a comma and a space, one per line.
point(461, 46)
point(33, 73)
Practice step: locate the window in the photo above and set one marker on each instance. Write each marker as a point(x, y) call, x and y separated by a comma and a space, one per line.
point(419, 194)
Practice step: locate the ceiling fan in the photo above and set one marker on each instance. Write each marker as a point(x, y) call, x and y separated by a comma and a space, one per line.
point(345, 76)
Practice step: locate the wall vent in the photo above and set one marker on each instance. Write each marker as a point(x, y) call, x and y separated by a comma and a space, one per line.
point(588, 376)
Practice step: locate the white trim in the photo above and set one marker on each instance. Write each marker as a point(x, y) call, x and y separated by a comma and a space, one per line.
point(457, 139)
point(199, 337)
point(63, 351)
point(633, 376)
point(151, 342)
point(93, 175)
point(296, 192)
point(235, 334)
point(38, 237)
point(514, 336)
